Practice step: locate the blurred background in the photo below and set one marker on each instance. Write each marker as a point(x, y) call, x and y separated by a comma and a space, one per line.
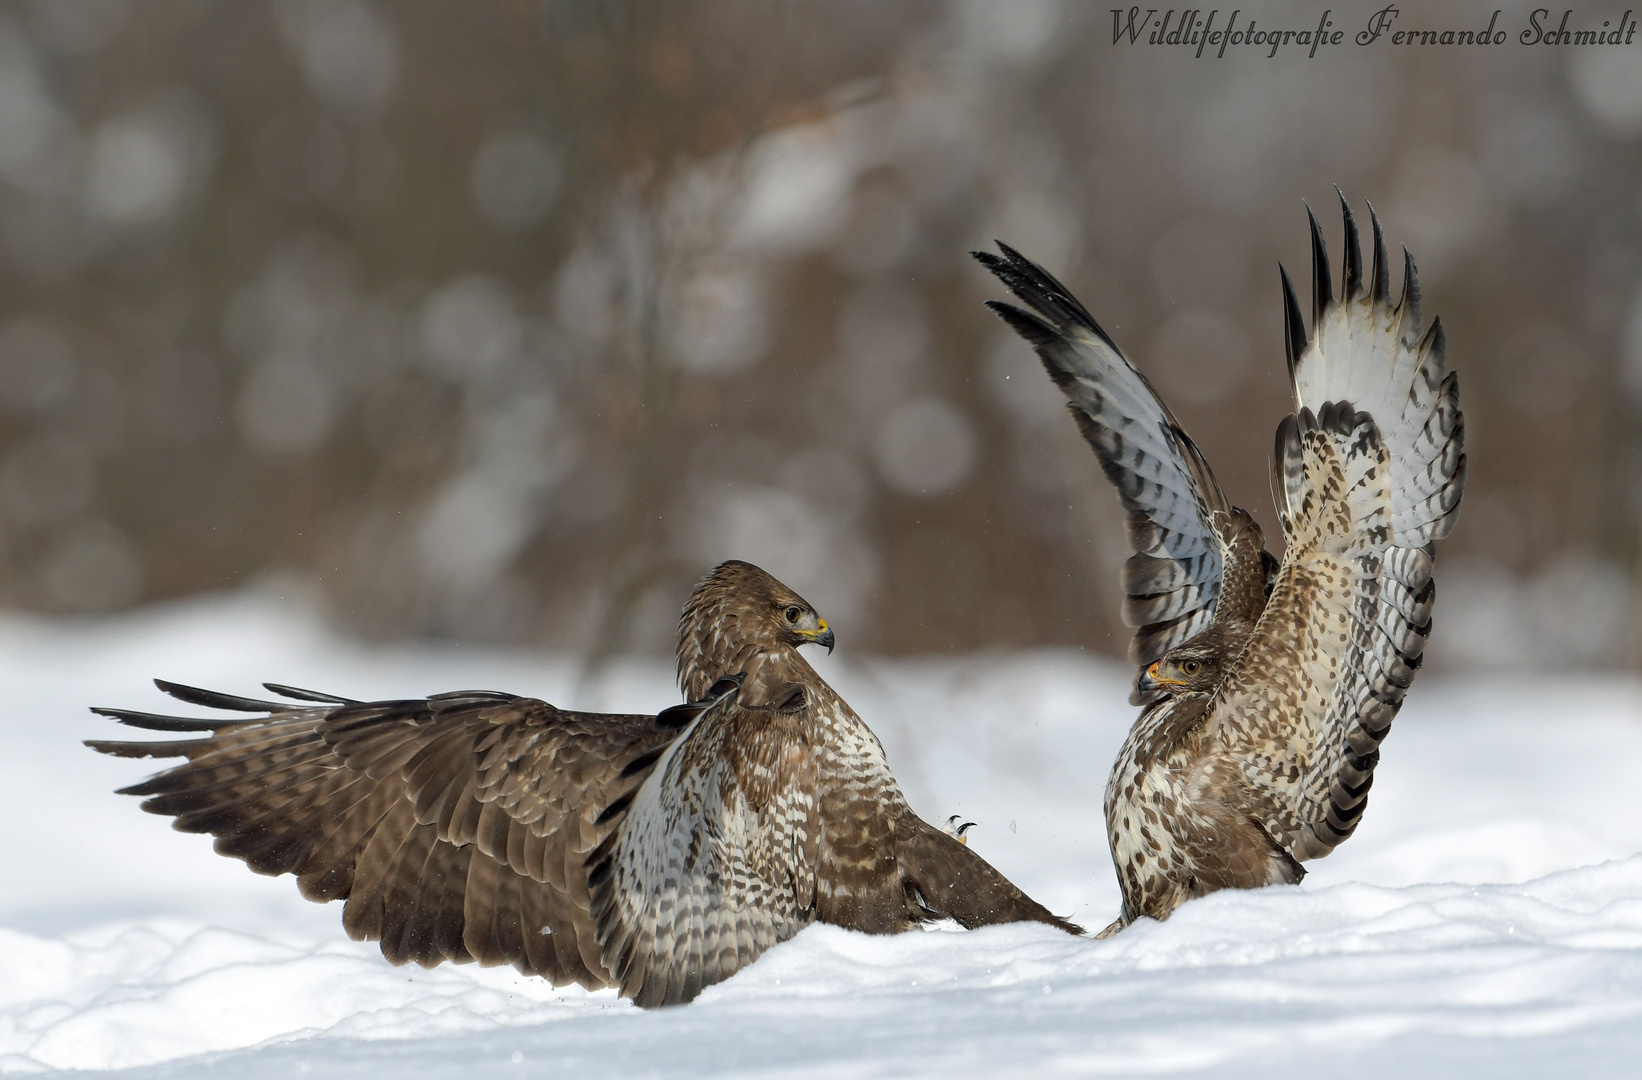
point(503, 322)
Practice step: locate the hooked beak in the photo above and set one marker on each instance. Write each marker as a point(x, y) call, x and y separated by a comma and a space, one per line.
point(1150, 680)
point(821, 635)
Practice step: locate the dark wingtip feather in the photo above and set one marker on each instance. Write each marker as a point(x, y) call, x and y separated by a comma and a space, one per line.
point(156, 722)
point(296, 693)
point(1322, 281)
point(1379, 273)
point(1409, 305)
point(212, 699)
point(1351, 280)
point(1294, 326)
point(1062, 295)
point(1014, 256)
point(1037, 332)
point(139, 750)
point(1042, 291)
point(1015, 272)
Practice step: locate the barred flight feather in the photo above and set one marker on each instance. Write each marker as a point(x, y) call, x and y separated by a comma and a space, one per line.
point(1179, 520)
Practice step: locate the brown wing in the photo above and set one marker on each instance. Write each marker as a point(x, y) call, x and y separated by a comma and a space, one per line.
point(1195, 557)
point(455, 827)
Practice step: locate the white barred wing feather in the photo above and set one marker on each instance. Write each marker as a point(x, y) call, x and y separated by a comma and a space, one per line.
point(1176, 510)
point(1374, 355)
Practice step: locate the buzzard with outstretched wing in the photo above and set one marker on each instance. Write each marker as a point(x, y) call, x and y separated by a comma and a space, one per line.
point(657, 854)
point(1268, 687)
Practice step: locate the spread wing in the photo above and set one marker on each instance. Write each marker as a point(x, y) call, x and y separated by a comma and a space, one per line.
point(660, 854)
point(455, 827)
point(1369, 474)
point(1190, 547)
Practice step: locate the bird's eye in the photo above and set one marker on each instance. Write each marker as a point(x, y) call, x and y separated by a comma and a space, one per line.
point(793, 613)
point(1190, 667)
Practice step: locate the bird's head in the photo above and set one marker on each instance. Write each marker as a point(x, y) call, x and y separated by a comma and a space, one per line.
point(736, 610)
point(1192, 668)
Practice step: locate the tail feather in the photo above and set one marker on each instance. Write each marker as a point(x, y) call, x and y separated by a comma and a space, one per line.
point(949, 880)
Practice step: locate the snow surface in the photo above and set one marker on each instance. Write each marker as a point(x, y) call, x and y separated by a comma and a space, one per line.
point(1486, 916)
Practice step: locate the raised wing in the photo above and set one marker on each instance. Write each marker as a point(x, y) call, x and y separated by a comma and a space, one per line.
point(1182, 531)
point(455, 828)
point(1348, 636)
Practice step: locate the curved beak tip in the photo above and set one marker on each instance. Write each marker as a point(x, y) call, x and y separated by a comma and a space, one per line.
point(825, 638)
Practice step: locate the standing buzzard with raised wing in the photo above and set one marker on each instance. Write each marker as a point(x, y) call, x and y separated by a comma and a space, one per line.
point(1268, 687)
point(658, 854)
